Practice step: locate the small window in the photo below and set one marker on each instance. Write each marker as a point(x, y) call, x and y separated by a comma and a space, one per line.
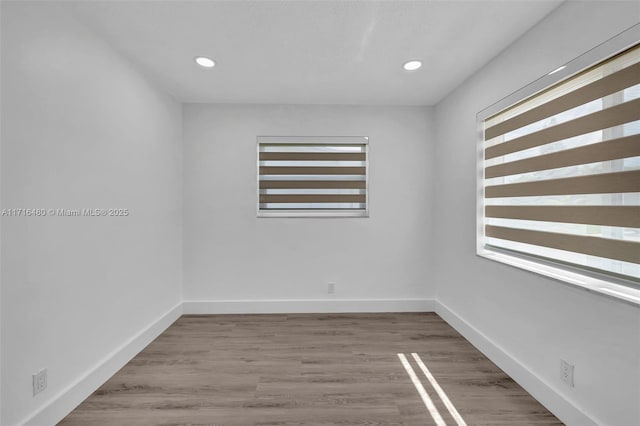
point(560, 175)
point(313, 176)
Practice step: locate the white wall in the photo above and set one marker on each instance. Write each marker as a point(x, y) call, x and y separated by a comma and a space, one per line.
point(1, 206)
point(80, 129)
point(229, 254)
point(534, 319)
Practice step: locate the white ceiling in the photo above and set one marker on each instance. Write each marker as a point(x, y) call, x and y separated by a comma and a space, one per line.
point(311, 52)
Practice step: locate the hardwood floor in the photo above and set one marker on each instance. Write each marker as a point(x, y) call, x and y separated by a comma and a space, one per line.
point(307, 369)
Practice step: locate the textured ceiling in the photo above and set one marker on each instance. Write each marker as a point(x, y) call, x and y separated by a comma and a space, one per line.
point(310, 52)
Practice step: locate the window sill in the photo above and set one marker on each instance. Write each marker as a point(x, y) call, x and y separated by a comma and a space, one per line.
point(312, 213)
point(590, 283)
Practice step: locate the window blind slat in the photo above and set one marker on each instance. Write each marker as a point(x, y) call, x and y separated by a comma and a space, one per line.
point(616, 115)
point(313, 156)
point(313, 184)
point(605, 183)
point(626, 216)
point(323, 207)
point(615, 82)
point(312, 198)
point(603, 151)
point(627, 251)
point(295, 170)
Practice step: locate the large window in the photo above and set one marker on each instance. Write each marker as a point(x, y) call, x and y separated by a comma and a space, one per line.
point(560, 176)
point(312, 176)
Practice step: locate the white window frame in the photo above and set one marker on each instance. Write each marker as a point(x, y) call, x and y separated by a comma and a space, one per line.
point(312, 213)
point(599, 283)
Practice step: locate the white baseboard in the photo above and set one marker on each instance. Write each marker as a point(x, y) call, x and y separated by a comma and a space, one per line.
point(307, 306)
point(540, 390)
point(65, 401)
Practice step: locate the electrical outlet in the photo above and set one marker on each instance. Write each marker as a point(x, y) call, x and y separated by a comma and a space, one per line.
point(566, 372)
point(331, 288)
point(39, 381)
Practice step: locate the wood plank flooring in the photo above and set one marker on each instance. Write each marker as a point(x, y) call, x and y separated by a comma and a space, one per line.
point(306, 369)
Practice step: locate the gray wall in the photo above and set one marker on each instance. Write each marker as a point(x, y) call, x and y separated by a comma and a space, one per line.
point(81, 128)
point(536, 320)
point(229, 254)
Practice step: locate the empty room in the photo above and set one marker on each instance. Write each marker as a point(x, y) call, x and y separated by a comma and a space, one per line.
point(320, 212)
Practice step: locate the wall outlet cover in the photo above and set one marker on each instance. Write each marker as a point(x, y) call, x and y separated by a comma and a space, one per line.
point(566, 372)
point(39, 381)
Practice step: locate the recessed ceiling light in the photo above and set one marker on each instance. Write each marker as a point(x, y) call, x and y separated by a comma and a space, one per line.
point(412, 65)
point(205, 62)
point(557, 70)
